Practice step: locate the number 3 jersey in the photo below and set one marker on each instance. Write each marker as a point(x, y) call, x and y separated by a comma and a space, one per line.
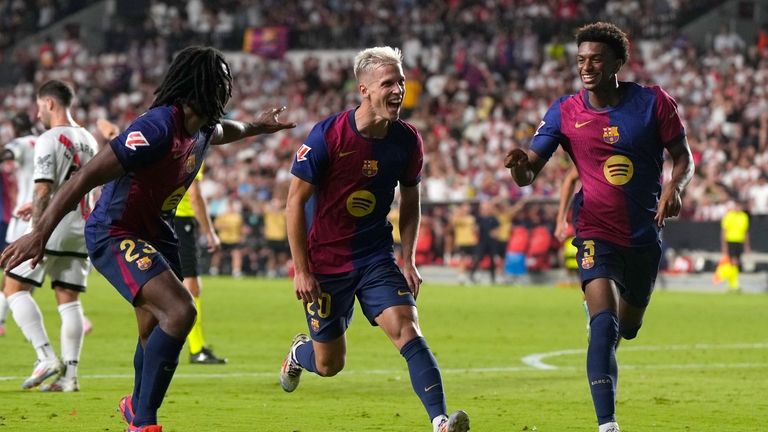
point(618, 152)
point(160, 160)
point(59, 152)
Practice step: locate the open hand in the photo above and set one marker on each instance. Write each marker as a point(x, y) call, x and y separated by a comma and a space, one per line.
point(28, 246)
point(269, 122)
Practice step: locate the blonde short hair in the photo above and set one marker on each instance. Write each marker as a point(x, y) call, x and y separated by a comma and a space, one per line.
point(371, 58)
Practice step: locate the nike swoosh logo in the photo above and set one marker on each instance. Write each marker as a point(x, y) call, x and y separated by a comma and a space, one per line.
point(403, 293)
point(578, 125)
point(426, 389)
point(342, 154)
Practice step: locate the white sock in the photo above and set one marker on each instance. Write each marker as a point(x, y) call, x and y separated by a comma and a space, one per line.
point(29, 319)
point(3, 308)
point(607, 426)
point(437, 420)
point(71, 335)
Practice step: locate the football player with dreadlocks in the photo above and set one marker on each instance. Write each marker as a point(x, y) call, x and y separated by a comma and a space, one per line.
point(130, 238)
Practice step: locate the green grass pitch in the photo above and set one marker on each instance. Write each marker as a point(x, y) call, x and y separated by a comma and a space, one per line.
point(699, 364)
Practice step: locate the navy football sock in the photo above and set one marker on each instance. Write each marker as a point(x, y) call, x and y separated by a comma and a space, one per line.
point(425, 376)
point(138, 366)
point(305, 356)
point(161, 356)
point(602, 369)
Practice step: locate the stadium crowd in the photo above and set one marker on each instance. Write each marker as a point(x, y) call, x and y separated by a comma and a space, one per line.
point(479, 78)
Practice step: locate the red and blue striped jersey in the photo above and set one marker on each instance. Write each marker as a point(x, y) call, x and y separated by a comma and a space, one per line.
point(618, 153)
point(355, 179)
point(160, 160)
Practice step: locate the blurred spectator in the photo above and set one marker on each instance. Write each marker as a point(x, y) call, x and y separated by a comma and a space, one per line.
point(276, 236)
point(486, 228)
point(229, 225)
point(464, 230)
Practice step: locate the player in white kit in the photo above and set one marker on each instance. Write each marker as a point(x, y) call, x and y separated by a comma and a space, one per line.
point(58, 152)
point(20, 150)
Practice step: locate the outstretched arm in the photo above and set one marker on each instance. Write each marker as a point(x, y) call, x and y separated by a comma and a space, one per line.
point(671, 202)
point(102, 168)
point(231, 130)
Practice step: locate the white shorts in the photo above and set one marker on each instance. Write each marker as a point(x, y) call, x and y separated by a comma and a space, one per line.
point(17, 227)
point(65, 270)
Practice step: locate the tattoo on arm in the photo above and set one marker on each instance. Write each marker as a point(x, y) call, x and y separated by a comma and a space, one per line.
point(42, 198)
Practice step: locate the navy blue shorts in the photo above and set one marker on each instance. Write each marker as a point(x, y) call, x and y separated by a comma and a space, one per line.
point(186, 231)
point(128, 262)
point(633, 269)
point(377, 287)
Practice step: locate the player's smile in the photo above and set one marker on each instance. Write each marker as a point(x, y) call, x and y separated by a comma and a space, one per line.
point(393, 105)
point(594, 61)
point(590, 78)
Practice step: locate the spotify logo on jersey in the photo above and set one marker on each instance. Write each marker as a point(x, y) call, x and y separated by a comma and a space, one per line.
point(361, 203)
point(618, 170)
point(173, 199)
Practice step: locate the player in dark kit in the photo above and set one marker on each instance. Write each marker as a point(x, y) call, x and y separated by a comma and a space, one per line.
point(349, 167)
point(615, 132)
point(130, 236)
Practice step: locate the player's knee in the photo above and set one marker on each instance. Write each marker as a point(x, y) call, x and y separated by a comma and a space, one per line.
point(405, 333)
point(183, 316)
point(629, 332)
point(330, 366)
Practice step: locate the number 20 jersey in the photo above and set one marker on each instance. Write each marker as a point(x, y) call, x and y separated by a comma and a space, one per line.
point(355, 179)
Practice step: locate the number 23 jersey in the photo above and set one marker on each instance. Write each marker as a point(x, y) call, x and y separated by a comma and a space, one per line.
point(160, 160)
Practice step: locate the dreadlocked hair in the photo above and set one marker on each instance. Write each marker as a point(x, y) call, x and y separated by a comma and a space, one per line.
point(200, 78)
point(608, 34)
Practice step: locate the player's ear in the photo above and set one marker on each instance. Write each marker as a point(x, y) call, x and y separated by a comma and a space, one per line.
point(363, 89)
point(619, 64)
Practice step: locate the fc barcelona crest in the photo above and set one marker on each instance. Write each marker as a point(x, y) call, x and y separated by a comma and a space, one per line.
point(611, 134)
point(370, 168)
point(587, 262)
point(190, 163)
point(144, 263)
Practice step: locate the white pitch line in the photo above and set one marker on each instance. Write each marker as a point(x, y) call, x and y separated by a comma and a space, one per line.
point(536, 361)
point(404, 372)
point(392, 372)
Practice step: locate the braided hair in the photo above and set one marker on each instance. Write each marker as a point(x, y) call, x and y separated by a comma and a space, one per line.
point(200, 78)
